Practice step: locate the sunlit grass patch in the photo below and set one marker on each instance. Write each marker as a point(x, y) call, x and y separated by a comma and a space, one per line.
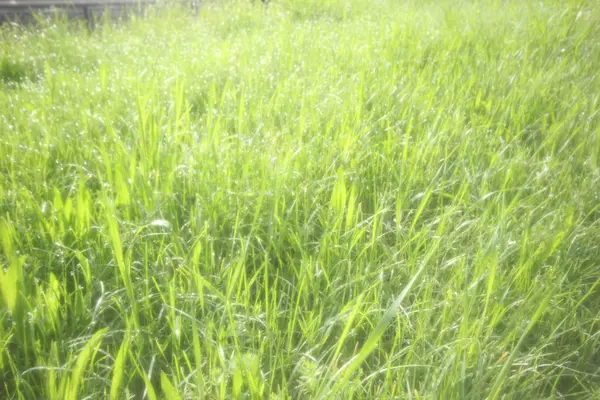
point(306, 200)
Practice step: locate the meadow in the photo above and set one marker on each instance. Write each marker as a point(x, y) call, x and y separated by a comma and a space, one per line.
point(311, 200)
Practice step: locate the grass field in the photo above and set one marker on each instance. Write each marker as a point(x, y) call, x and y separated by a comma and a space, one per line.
point(313, 200)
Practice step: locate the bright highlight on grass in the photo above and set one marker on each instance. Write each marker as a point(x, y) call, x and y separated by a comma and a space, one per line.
point(341, 199)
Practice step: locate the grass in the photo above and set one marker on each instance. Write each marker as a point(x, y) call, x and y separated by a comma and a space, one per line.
point(342, 199)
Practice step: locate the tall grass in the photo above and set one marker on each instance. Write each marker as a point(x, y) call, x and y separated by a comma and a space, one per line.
point(344, 199)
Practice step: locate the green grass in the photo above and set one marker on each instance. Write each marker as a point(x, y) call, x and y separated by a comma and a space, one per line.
point(342, 199)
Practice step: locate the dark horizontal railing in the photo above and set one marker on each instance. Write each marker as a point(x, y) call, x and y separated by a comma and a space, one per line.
point(15, 4)
point(18, 9)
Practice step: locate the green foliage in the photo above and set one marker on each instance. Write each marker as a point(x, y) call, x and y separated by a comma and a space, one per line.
point(341, 199)
point(12, 71)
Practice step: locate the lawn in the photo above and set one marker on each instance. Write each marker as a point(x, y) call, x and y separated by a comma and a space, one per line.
point(311, 200)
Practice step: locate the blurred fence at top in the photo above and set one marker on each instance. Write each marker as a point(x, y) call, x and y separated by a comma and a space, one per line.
point(24, 10)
